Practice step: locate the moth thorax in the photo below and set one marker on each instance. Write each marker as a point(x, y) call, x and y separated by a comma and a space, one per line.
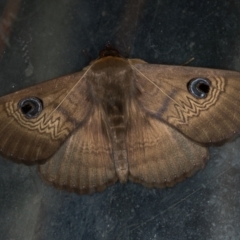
point(111, 80)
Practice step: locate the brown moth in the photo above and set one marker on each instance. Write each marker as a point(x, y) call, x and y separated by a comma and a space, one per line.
point(120, 119)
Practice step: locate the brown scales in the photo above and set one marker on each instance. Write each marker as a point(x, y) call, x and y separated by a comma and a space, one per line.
point(120, 119)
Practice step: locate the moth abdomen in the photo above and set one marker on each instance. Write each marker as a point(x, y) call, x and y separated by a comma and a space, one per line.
point(119, 148)
point(116, 119)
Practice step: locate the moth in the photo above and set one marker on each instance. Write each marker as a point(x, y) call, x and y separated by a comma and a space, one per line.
point(120, 119)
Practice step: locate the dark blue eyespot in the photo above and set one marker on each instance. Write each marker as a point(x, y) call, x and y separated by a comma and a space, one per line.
point(31, 107)
point(199, 87)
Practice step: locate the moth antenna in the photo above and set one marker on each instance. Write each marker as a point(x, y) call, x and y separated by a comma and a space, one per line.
point(70, 91)
point(188, 61)
point(155, 84)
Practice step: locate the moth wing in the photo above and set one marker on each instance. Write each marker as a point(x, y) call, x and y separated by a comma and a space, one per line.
point(159, 155)
point(84, 163)
point(165, 95)
point(30, 140)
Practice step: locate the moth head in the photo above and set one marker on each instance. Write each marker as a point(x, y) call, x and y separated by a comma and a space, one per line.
point(109, 51)
point(199, 87)
point(31, 107)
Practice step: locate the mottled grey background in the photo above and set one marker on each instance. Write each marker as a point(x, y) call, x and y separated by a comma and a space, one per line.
point(46, 41)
